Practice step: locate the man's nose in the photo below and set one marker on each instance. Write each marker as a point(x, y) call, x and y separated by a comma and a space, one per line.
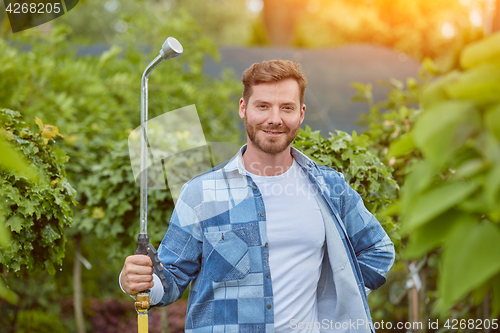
point(274, 117)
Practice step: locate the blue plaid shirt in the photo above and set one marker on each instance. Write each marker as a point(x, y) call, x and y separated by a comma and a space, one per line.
point(217, 241)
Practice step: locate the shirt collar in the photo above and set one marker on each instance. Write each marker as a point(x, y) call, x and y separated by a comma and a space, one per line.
point(236, 163)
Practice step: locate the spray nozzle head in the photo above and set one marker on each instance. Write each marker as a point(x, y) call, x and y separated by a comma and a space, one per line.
point(171, 48)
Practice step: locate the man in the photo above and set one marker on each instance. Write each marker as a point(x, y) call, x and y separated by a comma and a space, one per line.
point(270, 241)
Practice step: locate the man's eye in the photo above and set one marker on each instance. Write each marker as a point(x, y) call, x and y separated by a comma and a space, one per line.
point(288, 108)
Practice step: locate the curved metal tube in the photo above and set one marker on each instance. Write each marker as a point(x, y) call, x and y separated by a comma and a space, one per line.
point(170, 48)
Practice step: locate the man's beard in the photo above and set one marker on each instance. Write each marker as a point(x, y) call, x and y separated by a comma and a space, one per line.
point(271, 145)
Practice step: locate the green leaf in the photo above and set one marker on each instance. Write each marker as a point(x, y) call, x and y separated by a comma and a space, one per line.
point(436, 201)
point(402, 146)
point(337, 145)
point(39, 122)
point(484, 50)
point(417, 180)
point(60, 156)
point(469, 168)
point(470, 258)
point(435, 93)
point(109, 55)
point(492, 186)
point(12, 161)
point(361, 141)
point(492, 120)
point(15, 223)
point(4, 232)
point(444, 128)
point(393, 209)
point(4, 235)
point(49, 266)
point(476, 203)
point(50, 234)
point(27, 207)
point(431, 235)
point(480, 84)
point(7, 294)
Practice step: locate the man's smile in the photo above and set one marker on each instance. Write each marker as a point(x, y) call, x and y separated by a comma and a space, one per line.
point(273, 133)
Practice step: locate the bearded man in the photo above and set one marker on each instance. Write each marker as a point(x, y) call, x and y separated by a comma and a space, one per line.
point(270, 241)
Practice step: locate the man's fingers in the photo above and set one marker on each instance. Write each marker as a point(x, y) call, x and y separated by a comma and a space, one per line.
point(138, 278)
point(138, 287)
point(140, 270)
point(135, 283)
point(135, 288)
point(143, 286)
point(139, 259)
point(138, 264)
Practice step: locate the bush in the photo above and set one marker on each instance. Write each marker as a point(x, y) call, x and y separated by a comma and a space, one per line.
point(35, 213)
point(39, 321)
point(361, 168)
point(450, 200)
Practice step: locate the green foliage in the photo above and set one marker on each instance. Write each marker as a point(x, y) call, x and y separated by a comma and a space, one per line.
point(35, 213)
point(483, 51)
point(391, 119)
point(40, 322)
point(95, 102)
point(225, 21)
point(453, 193)
point(12, 162)
point(113, 204)
point(361, 168)
point(388, 123)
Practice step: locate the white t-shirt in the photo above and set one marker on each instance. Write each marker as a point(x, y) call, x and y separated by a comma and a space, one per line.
point(296, 234)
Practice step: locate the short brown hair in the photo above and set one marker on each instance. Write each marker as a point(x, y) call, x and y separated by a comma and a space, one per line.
point(273, 71)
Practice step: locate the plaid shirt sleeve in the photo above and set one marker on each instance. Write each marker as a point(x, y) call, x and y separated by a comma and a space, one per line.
point(181, 249)
point(373, 247)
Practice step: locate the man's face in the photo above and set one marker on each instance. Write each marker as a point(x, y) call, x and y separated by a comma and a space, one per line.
point(273, 115)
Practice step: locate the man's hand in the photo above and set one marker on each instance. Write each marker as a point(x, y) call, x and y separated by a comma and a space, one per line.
point(137, 274)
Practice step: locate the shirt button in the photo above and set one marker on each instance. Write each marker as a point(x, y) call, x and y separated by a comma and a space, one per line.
point(266, 245)
point(269, 306)
point(262, 214)
point(254, 187)
point(268, 276)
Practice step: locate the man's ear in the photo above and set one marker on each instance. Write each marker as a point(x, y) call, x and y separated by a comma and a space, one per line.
point(242, 108)
point(302, 113)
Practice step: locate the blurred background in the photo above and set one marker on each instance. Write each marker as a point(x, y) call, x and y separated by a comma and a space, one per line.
point(403, 98)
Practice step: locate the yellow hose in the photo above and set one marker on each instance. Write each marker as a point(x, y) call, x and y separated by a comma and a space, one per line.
point(142, 321)
point(142, 306)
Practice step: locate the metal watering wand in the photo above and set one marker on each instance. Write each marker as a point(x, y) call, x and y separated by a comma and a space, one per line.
point(171, 48)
